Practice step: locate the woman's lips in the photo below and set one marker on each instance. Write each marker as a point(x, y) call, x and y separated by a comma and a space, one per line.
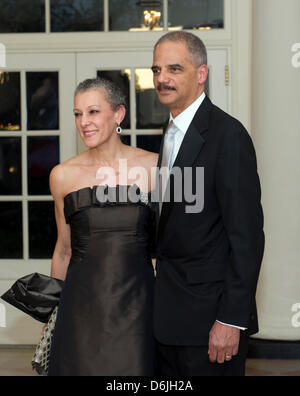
point(89, 134)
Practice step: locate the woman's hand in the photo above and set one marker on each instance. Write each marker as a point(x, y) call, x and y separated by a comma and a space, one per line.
point(43, 330)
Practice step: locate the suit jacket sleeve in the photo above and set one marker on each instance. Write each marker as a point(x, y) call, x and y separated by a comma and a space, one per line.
point(239, 196)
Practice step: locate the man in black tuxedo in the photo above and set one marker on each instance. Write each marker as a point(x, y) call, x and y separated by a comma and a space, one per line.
point(208, 261)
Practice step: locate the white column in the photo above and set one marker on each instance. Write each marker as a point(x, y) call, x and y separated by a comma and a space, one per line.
point(276, 134)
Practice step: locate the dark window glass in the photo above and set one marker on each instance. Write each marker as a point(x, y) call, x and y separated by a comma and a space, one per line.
point(122, 79)
point(10, 166)
point(135, 15)
point(11, 233)
point(126, 139)
point(43, 156)
point(42, 230)
point(196, 14)
point(151, 114)
point(22, 16)
point(76, 15)
point(149, 142)
point(42, 101)
point(10, 101)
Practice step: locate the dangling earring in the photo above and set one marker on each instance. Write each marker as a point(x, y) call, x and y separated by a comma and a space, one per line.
point(119, 130)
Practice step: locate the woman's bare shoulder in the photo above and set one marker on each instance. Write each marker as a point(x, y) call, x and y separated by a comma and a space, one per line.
point(63, 175)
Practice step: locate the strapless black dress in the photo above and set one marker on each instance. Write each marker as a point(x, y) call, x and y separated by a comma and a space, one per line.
point(104, 324)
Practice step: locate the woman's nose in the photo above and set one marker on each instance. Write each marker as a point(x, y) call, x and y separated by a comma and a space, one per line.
point(85, 120)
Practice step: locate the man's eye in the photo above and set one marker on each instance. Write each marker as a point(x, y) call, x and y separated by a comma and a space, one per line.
point(94, 111)
point(76, 115)
point(155, 71)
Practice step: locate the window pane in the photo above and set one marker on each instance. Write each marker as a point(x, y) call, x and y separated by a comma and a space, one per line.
point(135, 15)
point(10, 166)
point(122, 79)
point(10, 101)
point(22, 16)
point(11, 233)
point(43, 156)
point(151, 114)
point(196, 14)
point(76, 15)
point(42, 230)
point(42, 101)
point(149, 142)
point(126, 139)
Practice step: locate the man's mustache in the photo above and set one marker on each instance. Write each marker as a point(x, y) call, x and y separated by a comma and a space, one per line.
point(163, 87)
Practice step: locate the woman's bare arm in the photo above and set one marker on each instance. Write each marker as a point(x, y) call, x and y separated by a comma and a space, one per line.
point(62, 253)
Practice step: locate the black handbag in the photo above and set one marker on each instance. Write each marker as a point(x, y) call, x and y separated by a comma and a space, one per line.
point(36, 295)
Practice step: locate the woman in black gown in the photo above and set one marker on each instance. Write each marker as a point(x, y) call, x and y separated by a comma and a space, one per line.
point(103, 252)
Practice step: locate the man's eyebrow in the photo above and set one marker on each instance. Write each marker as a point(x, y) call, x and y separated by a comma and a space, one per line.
point(177, 65)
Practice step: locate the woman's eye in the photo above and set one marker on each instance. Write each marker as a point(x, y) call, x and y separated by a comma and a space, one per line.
point(76, 115)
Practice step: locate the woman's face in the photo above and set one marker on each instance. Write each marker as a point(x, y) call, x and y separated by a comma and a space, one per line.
point(95, 120)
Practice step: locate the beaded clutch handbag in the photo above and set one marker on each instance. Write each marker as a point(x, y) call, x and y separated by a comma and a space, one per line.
point(41, 357)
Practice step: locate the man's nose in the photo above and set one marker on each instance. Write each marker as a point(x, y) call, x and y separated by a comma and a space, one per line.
point(163, 77)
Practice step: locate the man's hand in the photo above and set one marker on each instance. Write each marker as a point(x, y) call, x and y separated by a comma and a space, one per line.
point(223, 343)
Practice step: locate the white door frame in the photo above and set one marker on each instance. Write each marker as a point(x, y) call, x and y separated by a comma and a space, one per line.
point(20, 328)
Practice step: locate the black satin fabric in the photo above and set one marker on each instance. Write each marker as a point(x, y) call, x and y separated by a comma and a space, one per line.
point(36, 295)
point(104, 324)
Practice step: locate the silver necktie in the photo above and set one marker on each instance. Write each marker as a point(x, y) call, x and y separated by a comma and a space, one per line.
point(167, 159)
point(168, 149)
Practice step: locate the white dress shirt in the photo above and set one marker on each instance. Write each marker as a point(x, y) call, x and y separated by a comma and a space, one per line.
point(183, 122)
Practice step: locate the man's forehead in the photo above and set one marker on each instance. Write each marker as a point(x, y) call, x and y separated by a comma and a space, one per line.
point(169, 53)
point(170, 46)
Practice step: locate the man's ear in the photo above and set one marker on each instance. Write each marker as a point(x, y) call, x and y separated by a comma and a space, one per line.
point(202, 74)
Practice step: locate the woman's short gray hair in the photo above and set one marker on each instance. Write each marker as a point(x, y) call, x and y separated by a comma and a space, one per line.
point(195, 46)
point(114, 95)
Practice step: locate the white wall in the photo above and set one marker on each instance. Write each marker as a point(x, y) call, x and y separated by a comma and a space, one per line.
point(276, 134)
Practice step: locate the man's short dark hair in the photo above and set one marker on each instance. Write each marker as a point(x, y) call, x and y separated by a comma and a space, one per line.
point(195, 46)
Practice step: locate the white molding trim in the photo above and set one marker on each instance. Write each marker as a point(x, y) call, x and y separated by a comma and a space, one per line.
point(241, 60)
point(97, 42)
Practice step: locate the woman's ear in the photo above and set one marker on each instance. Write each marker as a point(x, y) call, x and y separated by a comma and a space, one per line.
point(120, 114)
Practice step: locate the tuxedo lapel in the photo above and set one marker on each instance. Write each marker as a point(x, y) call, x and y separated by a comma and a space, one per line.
point(191, 147)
